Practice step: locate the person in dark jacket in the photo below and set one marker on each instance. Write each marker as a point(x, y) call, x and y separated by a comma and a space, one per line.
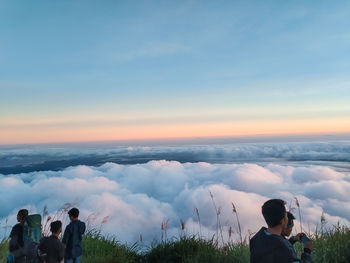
point(72, 237)
point(51, 246)
point(268, 245)
point(306, 255)
point(16, 237)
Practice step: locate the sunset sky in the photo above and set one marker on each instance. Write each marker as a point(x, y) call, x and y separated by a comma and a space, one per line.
point(120, 70)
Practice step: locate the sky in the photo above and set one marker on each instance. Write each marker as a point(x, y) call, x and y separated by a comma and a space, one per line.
point(124, 70)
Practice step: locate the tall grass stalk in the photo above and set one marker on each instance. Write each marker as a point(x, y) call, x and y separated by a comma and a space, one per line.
point(235, 212)
point(199, 221)
point(218, 223)
point(298, 206)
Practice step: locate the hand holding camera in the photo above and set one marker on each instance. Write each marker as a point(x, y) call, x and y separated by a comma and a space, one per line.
point(306, 241)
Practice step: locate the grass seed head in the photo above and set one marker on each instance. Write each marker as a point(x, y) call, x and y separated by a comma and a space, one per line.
point(233, 208)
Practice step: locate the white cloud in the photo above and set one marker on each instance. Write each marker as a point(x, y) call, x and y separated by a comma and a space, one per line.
point(137, 198)
point(315, 174)
point(338, 190)
point(227, 153)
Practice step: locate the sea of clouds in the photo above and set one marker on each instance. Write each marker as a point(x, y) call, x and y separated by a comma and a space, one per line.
point(134, 199)
point(27, 158)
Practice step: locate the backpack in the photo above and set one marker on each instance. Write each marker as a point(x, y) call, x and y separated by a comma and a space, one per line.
point(10, 258)
point(31, 236)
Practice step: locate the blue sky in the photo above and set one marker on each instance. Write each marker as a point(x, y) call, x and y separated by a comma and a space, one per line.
point(125, 63)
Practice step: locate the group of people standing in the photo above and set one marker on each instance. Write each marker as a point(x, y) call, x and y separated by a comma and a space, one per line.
point(50, 249)
point(269, 245)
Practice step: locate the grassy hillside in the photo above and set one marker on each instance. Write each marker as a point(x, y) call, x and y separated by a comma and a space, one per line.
point(332, 246)
point(192, 249)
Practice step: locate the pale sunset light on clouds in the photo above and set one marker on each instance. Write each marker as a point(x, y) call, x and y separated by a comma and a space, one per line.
point(120, 70)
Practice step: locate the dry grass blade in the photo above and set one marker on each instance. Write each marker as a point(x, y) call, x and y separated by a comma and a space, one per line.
point(234, 211)
point(298, 206)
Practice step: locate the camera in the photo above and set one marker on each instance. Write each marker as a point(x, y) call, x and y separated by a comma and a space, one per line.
point(304, 239)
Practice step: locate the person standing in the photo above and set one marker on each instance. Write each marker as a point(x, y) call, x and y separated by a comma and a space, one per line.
point(72, 237)
point(51, 246)
point(308, 246)
point(16, 244)
point(268, 245)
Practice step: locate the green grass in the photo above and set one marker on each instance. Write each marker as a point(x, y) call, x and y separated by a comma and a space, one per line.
point(332, 246)
point(239, 253)
point(188, 249)
point(99, 249)
point(4, 250)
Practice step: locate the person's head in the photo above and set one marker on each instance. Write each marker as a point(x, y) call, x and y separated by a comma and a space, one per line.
point(289, 227)
point(56, 227)
point(73, 213)
point(21, 215)
point(274, 212)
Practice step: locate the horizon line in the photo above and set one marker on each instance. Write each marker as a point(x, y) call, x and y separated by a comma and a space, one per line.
point(210, 139)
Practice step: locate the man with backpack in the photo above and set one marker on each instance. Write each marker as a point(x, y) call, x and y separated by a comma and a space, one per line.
point(51, 248)
point(24, 238)
point(16, 245)
point(72, 237)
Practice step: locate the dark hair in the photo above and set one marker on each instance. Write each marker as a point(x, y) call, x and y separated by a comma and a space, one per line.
point(55, 226)
point(273, 211)
point(23, 213)
point(74, 212)
point(291, 217)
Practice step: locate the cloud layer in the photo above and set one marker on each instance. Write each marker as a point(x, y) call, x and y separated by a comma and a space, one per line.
point(19, 159)
point(138, 198)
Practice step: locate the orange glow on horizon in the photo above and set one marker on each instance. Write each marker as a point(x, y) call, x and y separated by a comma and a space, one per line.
point(141, 132)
